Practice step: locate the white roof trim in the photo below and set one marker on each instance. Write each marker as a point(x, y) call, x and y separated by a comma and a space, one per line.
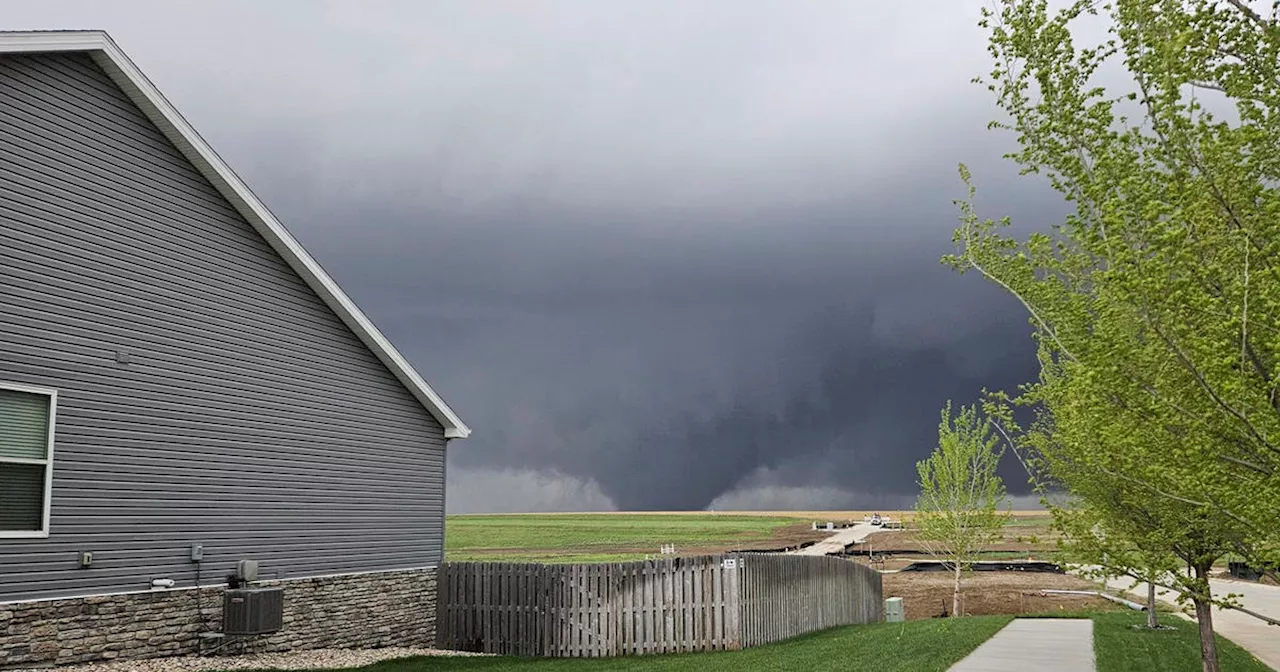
point(148, 98)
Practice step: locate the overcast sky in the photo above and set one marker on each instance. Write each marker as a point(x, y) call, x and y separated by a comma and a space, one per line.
point(658, 254)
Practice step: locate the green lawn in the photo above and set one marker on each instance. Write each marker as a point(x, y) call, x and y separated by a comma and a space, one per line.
point(1121, 648)
point(917, 646)
point(596, 537)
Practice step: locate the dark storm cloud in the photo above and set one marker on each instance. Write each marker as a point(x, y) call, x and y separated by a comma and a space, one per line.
point(668, 371)
point(657, 255)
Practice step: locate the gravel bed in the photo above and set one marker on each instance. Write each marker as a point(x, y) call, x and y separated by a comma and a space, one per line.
point(292, 660)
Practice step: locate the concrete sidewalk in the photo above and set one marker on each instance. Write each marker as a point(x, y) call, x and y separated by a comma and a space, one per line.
point(839, 539)
point(1040, 644)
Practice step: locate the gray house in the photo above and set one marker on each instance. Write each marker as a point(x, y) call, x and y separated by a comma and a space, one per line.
point(182, 387)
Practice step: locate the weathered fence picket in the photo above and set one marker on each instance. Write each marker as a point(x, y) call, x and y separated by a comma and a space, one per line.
point(783, 598)
point(658, 606)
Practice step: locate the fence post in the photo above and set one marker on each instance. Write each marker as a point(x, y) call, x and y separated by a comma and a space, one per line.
point(733, 607)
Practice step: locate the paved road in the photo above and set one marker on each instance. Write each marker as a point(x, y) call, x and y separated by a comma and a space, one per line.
point(839, 539)
point(1258, 638)
point(1040, 644)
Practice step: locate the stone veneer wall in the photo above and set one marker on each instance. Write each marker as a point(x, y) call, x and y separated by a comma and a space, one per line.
point(351, 611)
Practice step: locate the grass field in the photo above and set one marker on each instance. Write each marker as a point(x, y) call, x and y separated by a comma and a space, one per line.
point(615, 537)
point(607, 537)
point(916, 646)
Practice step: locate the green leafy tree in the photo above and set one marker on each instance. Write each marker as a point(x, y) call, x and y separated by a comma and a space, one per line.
point(959, 510)
point(1156, 304)
point(1097, 547)
point(1111, 528)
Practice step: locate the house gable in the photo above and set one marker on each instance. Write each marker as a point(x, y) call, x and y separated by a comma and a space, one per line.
point(184, 138)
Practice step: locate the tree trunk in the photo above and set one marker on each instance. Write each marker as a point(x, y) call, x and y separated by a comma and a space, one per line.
point(1204, 618)
point(1151, 606)
point(955, 596)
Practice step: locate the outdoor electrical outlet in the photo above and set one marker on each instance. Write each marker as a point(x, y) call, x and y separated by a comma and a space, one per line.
point(197, 553)
point(86, 559)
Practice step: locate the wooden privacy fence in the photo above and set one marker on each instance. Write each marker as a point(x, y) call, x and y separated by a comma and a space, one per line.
point(782, 596)
point(656, 606)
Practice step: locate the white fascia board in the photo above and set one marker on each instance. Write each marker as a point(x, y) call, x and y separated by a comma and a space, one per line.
point(61, 40)
point(170, 122)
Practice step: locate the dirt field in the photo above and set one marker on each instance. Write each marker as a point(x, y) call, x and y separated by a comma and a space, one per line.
point(1025, 537)
point(927, 594)
point(1031, 534)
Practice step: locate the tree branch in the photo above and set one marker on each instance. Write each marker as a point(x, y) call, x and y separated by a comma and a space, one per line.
point(1267, 619)
point(1014, 447)
point(1207, 85)
point(1248, 12)
point(1190, 367)
point(1248, 465)
point(1053, 334)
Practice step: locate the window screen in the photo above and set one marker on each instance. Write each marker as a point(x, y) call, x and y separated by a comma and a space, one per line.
point(24, 459)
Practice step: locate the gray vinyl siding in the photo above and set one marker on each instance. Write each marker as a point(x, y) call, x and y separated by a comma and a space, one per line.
point(248, 418)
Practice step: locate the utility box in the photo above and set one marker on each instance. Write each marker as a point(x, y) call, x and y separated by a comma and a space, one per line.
point(252, 611)
point(893, 610)
point(247, 570)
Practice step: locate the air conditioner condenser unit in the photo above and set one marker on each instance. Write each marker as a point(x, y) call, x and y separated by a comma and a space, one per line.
point(252, 611)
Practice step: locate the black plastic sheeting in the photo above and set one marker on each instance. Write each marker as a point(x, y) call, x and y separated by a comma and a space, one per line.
point(1242, 570)
point(994, 566)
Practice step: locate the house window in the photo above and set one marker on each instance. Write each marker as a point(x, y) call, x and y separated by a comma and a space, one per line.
point(26, 459)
